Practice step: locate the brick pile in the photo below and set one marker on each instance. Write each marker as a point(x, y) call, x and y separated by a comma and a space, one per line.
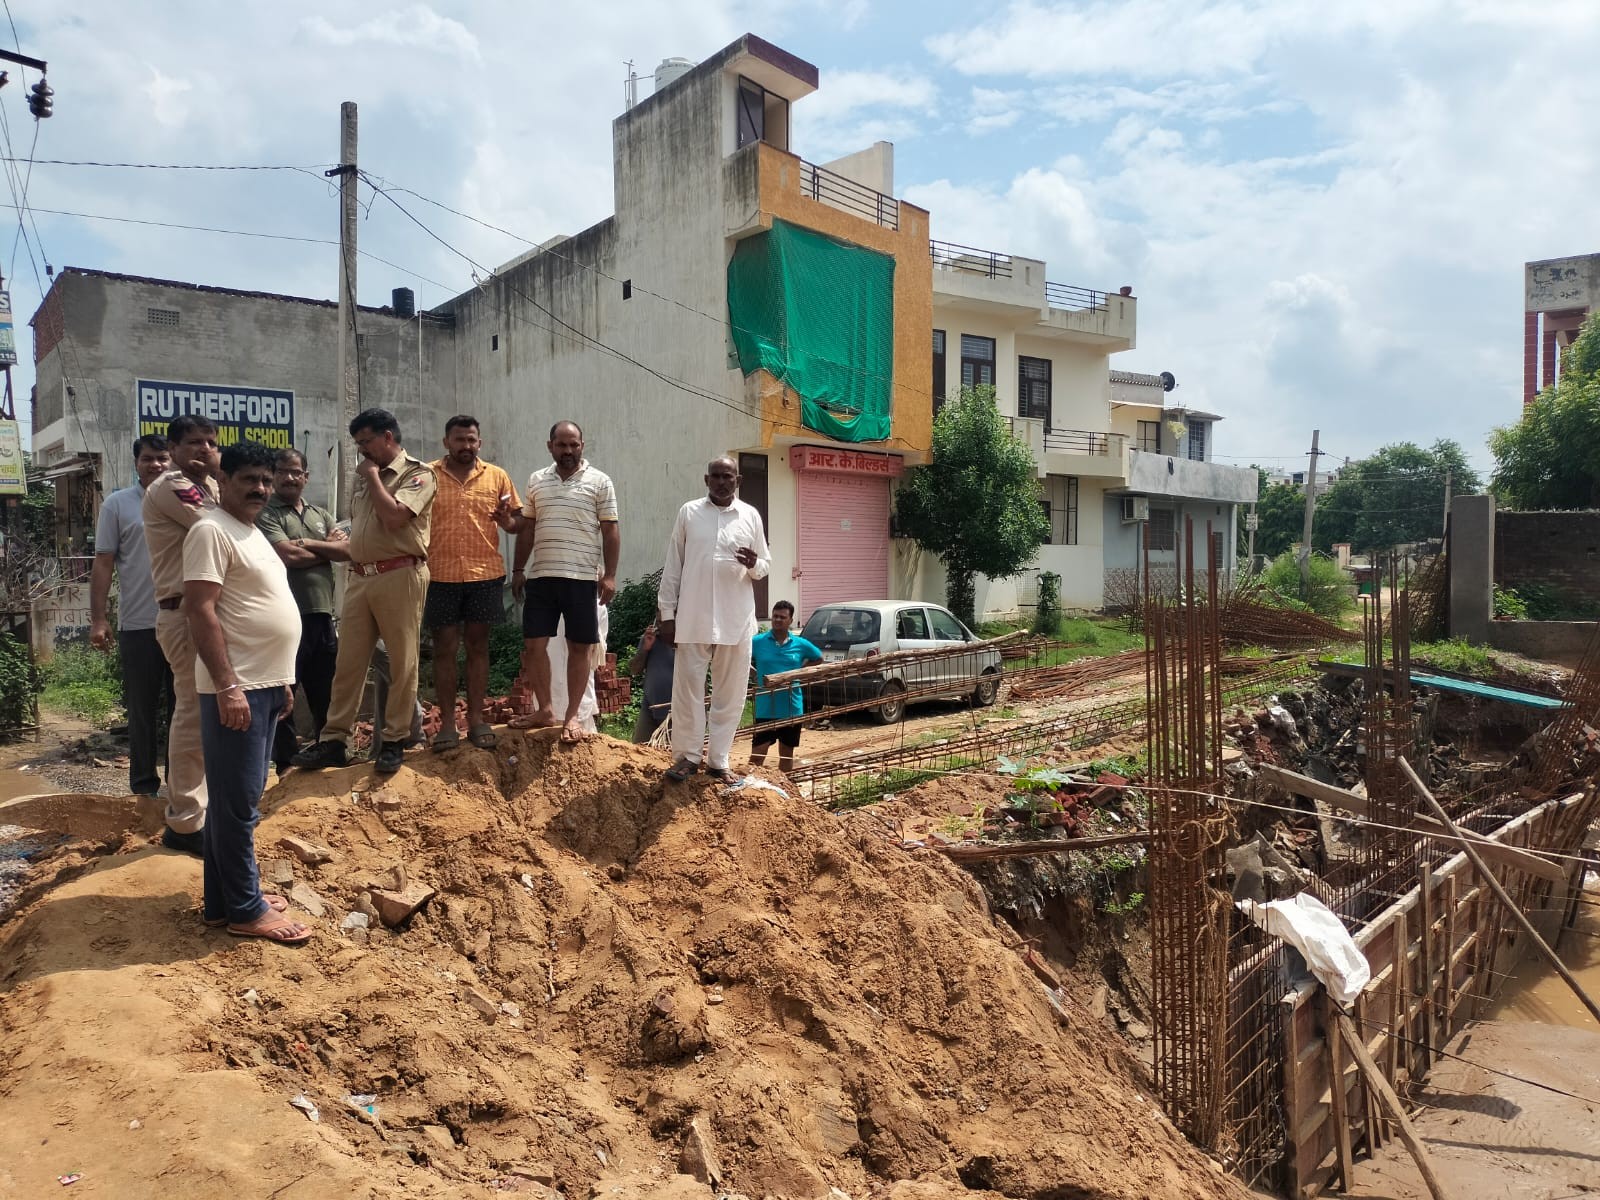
point(611, 690)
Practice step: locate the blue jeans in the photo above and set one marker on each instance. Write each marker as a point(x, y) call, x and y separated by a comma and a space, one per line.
point(236, 775)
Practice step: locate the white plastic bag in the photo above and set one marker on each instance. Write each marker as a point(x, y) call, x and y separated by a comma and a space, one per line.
point(1308, 925)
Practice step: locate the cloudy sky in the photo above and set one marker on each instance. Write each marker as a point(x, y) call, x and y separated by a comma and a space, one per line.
point(1323, 207)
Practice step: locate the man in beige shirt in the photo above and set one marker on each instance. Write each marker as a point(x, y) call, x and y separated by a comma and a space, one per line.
point(245, 626)
point(390, 516)
point(172, 504)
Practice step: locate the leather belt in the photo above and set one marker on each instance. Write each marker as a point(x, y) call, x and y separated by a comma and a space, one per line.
point(385, 566)
point(170, 603)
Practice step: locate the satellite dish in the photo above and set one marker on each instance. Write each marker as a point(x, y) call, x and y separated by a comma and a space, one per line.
point(1168, 381)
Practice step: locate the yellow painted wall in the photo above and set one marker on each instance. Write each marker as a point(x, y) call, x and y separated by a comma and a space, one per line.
point(778, 175)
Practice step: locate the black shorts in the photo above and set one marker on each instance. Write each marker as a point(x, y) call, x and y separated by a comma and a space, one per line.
point(765, 735)
point(481, 602)
point(546, 599)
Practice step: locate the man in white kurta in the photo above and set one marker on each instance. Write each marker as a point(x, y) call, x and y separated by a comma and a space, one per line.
point(707, 608)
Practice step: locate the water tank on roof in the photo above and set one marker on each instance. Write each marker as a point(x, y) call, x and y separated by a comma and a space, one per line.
point(404, 302)
point(672, 69)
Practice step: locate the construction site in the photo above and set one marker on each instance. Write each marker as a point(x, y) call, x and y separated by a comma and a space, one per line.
point(1045, 954)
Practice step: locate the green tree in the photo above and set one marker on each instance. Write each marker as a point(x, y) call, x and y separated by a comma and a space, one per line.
point(1551, 458)
point(977, 505)
point(1394, 496)
point(1280, 517)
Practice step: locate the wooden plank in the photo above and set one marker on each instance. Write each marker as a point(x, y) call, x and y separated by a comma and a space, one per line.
point(1449, 1030)
point(1369, 1108)
point(1408, 1133)
point(1520, 917)
point(962, 853)
point(1426, 952)
point(1304, 785)
point(1341, 1118)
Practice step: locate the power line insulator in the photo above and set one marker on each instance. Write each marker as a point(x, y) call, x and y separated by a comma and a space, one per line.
point(39, 102)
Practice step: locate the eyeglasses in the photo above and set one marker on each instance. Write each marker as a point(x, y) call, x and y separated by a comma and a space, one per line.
point(291, 473)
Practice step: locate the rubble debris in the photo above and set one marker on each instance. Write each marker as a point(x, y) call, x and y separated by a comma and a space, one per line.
point(307, 850)
point(306, 897)
point(698, 1157)
point(396, 908)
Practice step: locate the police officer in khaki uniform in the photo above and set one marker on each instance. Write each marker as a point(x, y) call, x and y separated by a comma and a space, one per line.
point(389, 523)
point(172, 504)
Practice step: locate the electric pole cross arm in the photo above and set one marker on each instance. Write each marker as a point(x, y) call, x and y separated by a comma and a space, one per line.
point(39, 98)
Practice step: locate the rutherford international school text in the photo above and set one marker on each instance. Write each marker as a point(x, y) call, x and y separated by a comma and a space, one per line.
point(263, 415)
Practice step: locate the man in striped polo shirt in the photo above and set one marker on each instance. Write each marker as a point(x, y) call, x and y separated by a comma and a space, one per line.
point(569, 522)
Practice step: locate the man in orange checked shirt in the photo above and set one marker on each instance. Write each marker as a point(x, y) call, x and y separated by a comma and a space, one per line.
point(474, 501)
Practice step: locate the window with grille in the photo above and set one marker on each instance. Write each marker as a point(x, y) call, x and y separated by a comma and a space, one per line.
point(1033, 388)
point(938, 369)
point(1060, 505)
point(1197, 440)
point(977, 361)
point(1163, 531)
point(1150, 436)
point(161, 316)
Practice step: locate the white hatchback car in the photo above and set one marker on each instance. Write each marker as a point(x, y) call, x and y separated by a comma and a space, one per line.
point(868, 628)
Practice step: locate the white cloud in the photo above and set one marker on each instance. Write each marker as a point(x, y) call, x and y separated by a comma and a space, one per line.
point(417, 27)
point(1363, 277)
point(852, 109)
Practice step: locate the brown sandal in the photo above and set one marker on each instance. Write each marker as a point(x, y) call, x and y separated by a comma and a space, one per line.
point(280, 930)
point(681, 770)
point(275, 903)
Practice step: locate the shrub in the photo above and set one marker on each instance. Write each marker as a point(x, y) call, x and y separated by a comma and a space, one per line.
point(1329, 595)
point(632, 610)
point(505, 657)
point(1509, 605)
point(85, 682)
point(1047, 616)
point(19, 684)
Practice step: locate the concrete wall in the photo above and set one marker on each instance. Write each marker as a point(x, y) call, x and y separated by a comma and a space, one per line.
point(1174, 476)
point(229, 338)
point(1557, 550)
point(872, 167)
point(1560, 283)
point(1472, 554)
point(1560, 642)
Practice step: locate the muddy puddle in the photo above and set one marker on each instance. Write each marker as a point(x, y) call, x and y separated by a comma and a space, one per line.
point(1534, 992)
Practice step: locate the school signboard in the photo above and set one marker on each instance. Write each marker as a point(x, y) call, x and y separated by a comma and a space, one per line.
point(8, 335)
point(240, 413)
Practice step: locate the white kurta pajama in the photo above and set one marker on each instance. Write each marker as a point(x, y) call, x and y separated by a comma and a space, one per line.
point(708, 592)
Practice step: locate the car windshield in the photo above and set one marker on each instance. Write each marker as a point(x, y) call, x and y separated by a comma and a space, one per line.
point(838, 628)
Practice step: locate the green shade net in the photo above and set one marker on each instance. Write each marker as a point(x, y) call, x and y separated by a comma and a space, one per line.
point(818, 314)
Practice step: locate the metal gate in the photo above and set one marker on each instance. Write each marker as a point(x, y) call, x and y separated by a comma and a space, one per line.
point(844, 539)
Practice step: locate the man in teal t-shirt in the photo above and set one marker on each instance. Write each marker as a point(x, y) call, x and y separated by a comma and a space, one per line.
point(772, 653)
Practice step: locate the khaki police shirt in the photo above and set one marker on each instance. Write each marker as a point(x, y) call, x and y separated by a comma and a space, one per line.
point(411, 482)
point(172, 504)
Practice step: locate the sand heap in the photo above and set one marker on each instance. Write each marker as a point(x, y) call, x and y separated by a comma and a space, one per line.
point(607, 972)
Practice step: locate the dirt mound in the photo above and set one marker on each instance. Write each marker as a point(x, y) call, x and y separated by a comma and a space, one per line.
point(607, 971)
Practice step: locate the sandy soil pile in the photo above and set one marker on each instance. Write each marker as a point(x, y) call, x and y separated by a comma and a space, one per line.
point(607, 972)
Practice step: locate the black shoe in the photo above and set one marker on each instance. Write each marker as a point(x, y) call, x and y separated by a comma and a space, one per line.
point(388, 760)
point(187, 843)
point(320, 756)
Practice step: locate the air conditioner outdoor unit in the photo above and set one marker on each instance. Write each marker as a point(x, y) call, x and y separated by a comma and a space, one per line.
point(1135, 508)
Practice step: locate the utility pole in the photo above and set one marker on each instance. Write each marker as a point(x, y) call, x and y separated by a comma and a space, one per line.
point(349, 367)
point(1250, 524)
point(1311, 510)
point(1446, 528)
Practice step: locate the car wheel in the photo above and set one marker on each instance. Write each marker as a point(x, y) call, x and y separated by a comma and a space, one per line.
point(893, 706)
point(988, 688)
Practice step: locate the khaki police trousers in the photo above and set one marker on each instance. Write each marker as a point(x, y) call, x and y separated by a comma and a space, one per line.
point(387, 606)
point(186, 762)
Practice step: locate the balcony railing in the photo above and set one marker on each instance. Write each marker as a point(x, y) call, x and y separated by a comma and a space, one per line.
point(830, 188)
point(991, 264)
point(1083, 441)
point(1066, 295)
